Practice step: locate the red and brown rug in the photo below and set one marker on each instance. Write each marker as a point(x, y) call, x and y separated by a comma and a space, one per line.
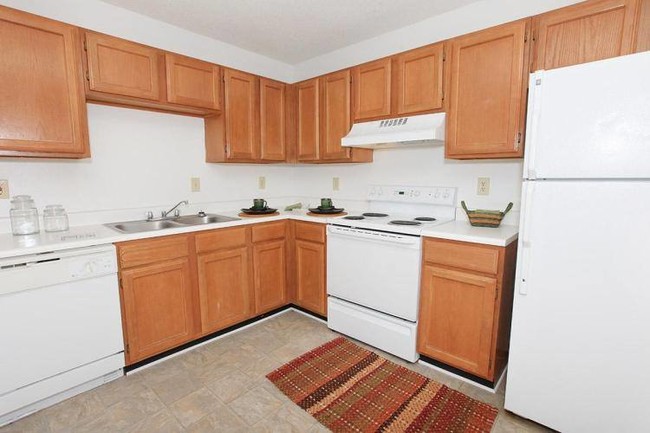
point(351, 389)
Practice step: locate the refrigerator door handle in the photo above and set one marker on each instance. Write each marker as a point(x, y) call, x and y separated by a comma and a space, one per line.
point(532, 122)
point(527, 205)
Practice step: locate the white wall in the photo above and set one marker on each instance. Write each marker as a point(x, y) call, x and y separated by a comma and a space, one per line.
point(116, 21)
point(472, 17)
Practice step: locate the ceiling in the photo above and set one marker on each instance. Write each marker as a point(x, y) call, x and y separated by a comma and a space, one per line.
point(290, 31)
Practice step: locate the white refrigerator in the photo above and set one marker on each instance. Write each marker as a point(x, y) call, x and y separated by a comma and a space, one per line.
point(580, 341)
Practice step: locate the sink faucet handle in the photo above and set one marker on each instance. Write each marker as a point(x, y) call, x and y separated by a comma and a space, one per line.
point(201, 213)
point(149, 215)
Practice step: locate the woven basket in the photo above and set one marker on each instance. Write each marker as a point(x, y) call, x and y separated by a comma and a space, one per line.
point(485, 218)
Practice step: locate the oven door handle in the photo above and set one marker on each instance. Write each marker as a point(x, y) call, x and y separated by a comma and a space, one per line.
point(374, 236)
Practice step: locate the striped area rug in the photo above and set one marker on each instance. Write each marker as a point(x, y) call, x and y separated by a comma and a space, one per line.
point(351, 389)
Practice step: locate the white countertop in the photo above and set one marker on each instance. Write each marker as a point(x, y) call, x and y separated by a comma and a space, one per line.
point(85, 236)
point(462, 231)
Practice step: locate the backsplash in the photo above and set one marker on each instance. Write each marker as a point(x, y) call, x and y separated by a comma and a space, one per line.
point(144, 161)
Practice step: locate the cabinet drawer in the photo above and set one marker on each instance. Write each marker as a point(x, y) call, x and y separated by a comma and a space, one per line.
point(480, 258)
point(267, 232)
point(142, 252)
point(219, 239)
point(313, 232)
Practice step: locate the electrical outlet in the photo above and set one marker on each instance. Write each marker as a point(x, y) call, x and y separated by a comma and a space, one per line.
point(4, 189)
point(336, 184)
point(261, 182)
point(483, 186)
point(196, 184)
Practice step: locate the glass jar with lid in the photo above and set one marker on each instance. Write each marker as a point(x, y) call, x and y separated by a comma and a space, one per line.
point(23, 215)
point(55, 218)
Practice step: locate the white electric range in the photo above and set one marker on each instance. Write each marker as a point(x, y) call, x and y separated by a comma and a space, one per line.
point(373, 265)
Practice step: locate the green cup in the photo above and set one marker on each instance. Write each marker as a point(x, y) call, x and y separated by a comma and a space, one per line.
point(259, 204)
point(326, 203)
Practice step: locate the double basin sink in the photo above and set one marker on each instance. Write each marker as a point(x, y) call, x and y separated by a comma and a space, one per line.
point(168, 223)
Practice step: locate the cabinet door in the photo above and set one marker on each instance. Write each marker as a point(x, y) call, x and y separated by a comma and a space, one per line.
point(419, 77)
point(42, 106)
point(192, 82)
point(269, 266)
point(308, 120)
point(488, 93)
point(372, 90)
point(643, 27)
point(122, 67)
point(272, 116)
point(242, 111)
point(585, 32)
point(310, 276)
point(224, 288)
point(157, 308)
point(335, 112)
point(456, 318)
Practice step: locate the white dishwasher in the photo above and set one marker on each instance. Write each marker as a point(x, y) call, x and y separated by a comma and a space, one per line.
point(60, 327)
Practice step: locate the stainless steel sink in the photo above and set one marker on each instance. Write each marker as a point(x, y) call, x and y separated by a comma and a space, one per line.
point(203, 219)
point(168, 223)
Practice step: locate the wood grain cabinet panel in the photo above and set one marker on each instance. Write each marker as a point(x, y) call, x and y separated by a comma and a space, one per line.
point(224, 288)
point(457, 318)
point(310, 276)
point(585, 32)
point(42, 107)
point(192, 82)
point(642, 42)
point(335, 115)
point(308, 99)
point(272, 120)
point(419, 80)
point(270, 269)
point(123, 68)
point(489, 72)
point(242, 116)
point(157, 308)
point(372, 89)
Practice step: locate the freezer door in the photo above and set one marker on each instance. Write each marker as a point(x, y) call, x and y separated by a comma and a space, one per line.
point(590, 121)
point(580, 344)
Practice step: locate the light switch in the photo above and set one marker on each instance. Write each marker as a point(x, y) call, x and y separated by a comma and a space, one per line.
point(196, 184)
point(261, 182)
point(336, 184)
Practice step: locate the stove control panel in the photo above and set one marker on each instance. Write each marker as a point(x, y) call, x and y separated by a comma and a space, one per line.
point(438, 195)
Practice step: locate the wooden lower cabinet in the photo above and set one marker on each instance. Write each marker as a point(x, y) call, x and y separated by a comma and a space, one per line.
point(269, 267)
point(224, 288)
point(309, 261)
point(465, 314)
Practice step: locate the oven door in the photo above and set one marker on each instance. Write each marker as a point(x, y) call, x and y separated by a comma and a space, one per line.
point(375, 269)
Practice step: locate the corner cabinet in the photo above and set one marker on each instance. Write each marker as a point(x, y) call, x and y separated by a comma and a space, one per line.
point(42, 107)
point(273, 111)
point(156, 281)
point(310, 266)
point(466, 305)
point(270, 265)
point(585, 32)
point(308, 122)
point(488, 86)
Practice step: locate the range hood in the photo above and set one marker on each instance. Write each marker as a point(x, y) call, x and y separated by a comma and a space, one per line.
point(422, 130)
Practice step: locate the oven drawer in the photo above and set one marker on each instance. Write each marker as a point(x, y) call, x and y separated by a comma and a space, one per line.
point(387, 333)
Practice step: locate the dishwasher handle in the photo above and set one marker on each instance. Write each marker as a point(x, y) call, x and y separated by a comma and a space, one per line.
point(374, 236)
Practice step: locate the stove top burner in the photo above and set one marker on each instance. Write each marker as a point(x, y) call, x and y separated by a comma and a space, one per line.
point(425, 219)
point(405, 223)
point(354, 217)
point(374, 215)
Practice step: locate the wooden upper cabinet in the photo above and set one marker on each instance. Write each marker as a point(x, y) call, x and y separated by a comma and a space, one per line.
point(643, 27)
point(124, 68)
point(42, 107)
point(457, 313)
point(192, 82)
point(272, 120)
point(585, 32)
point(487, 102)
point(242, 115)
point(372, 89)
point(420, 79)
point(308, 140)
point(335, 115)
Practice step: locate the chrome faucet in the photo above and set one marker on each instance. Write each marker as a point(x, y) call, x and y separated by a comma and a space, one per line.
point(177, 213)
